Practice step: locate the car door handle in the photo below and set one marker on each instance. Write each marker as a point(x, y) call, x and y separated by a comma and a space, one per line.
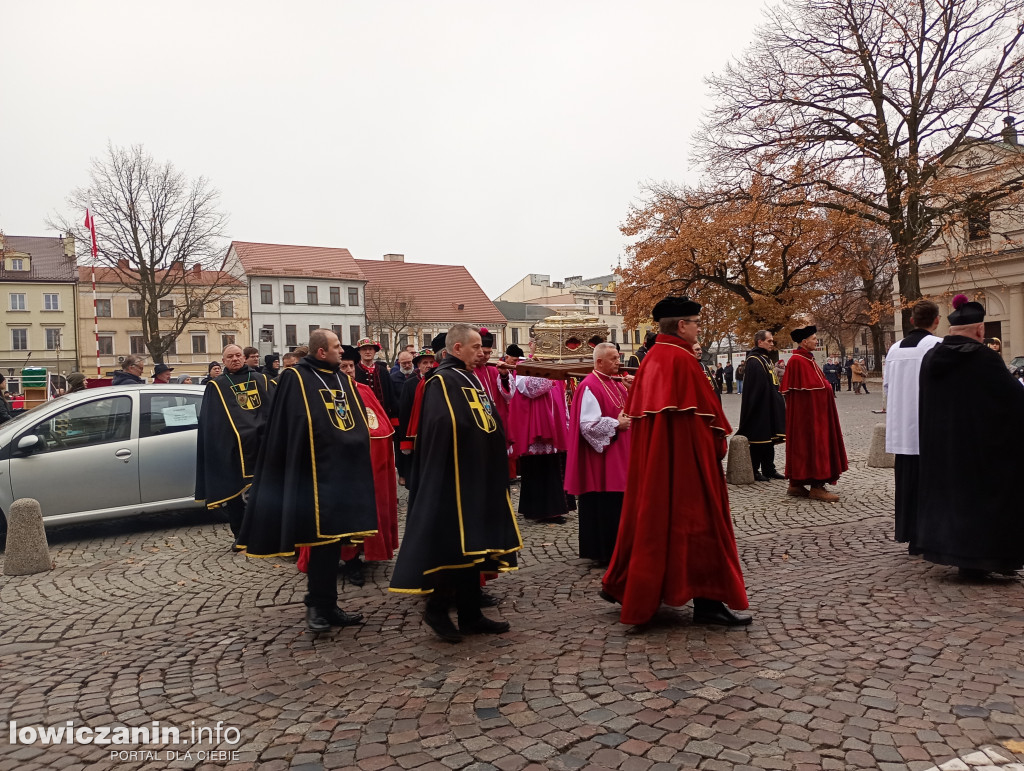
point(124, 454)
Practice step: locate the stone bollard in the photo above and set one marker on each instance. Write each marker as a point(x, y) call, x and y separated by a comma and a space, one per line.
point(739, 469)
point(877, 456)
point(27, 549)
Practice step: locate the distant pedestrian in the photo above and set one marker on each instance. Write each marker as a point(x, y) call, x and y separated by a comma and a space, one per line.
point(832, 374)
point(271, 366)
point(740, 372)
point(76, 382)
point(638, 356)
point(762, 409)
point(720, 379)
point(6, 412)
point(859, 380)
point(848, 369)
point(213, 370)
point(727, 373)
point(162, 373)
point(130, 372)
point(709, 372)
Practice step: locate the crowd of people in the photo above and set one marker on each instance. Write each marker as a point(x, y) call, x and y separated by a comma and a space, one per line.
point(639, 456)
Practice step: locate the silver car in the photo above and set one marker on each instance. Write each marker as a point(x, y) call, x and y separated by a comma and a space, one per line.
point(104, 453)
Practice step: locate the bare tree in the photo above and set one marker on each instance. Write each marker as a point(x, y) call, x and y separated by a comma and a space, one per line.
point(389, 313)
point(160, 232)
point(879, 103)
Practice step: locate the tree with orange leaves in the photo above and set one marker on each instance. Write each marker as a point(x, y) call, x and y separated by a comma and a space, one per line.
point(752, 262)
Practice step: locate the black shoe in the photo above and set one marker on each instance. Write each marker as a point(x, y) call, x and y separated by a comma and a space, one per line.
point(488, 600)
point(352, 571)
point(317, 620)
point(557, 520)
point(337, 617)
point(972, 574)
point(776, 475)
point(484, 625)
point(607, 597)
point(759, 477)
point(714, 612)
point(443, 627)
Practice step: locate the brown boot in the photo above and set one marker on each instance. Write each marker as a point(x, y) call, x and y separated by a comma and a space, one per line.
point(821, 494)
point(797, 491)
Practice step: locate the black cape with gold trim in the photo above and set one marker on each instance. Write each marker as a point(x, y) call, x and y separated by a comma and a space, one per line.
point(762, 407)
point(460, 514)
point(314, 475)
point(231, 424)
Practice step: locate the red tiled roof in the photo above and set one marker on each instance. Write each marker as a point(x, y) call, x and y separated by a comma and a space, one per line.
point(287, 260)
point(107, 275)
point(437, 289)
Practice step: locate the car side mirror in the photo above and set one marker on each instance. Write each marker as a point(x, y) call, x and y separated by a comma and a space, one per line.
point(28, 443)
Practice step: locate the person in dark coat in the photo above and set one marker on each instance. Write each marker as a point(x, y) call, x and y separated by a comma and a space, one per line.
point(848, 369)
point(130, 372)
point(971, 422)
point(636, 358)
point(762, 408)
point(460, 520)
point(5, 408)
point(373, 373)
point(832, 374)
point(213, 369)
point(727, 373)
point(402, 371)
point(271, 366)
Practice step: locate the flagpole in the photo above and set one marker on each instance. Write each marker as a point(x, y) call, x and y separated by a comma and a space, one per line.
point(91, 224)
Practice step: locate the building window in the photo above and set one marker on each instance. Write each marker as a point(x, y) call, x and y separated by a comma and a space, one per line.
point(135, 309)
point(586, 305)
point(198, 309)
point(515, 334)
point(227, 309)
point(353, 296)
point(290, 338)
point(335, 295)
point(172, 344)
point(103, 308)
point(198, 343)
point(615, 334)
point(403, 340)
point(612, 308)
point(289, 294)
point(267, 334)
point(636, 337)
point(311, 296)
point(266, 294)
point(51, 302)
point(18, 301)
point(353, 332)
point(979, 220)
point(19, 339)
point(336, 329)
point(166, 308)
point(105, 343)
point(226, 340)
point(17, 263)
point(426, 339)
point(313, 328)
point(52, 339)
point(136, 345)
point(600, 307)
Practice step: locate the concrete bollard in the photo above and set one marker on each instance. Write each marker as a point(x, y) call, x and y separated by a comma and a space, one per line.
point(739, 471)
point(27, 549)
point(877, 456)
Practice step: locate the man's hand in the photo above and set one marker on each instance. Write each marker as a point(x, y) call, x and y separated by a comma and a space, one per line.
point(627, 380)
point(624, 421)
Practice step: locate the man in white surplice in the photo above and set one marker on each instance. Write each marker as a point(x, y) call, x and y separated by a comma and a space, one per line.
point(901, 383)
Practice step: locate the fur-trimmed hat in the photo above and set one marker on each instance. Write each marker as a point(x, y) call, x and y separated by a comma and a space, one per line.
point(674, 307)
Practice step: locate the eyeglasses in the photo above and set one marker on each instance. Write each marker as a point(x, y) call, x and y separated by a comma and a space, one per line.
point(690, 321)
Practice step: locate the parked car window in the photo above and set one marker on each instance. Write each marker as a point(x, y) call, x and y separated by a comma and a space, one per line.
point(84, 425)
point(169, 413)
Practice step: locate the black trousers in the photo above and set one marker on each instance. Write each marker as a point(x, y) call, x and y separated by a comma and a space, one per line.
point(907, 475)
point(762, 457)
point(460, 587)
point(235, 510)
point(322, 576)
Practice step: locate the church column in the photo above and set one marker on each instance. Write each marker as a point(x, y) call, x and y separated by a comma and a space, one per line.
point(1016, 321)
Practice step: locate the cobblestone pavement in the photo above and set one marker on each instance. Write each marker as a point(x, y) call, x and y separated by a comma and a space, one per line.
point(859, 656)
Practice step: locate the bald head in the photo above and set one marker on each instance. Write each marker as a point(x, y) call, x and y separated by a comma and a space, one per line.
point(233, 358)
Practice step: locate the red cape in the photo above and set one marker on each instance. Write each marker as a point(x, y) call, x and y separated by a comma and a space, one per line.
point(675, 538)
point(814, 438)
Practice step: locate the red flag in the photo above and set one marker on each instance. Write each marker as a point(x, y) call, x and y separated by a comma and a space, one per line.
point(90, 223)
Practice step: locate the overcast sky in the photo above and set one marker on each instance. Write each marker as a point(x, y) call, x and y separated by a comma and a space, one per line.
point(506, 137)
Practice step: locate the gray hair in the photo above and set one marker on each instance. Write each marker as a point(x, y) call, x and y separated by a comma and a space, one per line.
point(760, 336)
point(459, 333)
point(601, 348)
point(131, 361)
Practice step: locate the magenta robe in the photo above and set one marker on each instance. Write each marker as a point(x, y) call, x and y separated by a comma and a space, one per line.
point(538, 420)
point(587, 470)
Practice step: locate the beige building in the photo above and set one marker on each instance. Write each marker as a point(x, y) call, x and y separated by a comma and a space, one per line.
point(593, 296)
point(39, 279)
point(224, 320)
point(982, 256)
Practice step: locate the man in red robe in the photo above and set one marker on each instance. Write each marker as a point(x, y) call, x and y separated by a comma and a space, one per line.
point(815, 454)
point(675, 541)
